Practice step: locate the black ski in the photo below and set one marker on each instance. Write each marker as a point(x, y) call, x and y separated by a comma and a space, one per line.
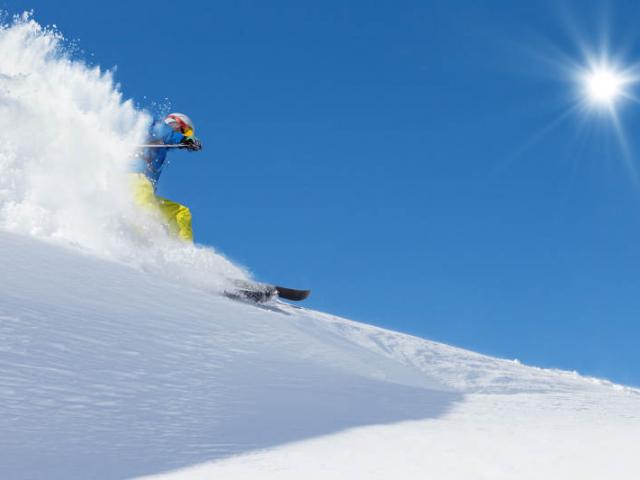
point(261, 293)
point(292, 294)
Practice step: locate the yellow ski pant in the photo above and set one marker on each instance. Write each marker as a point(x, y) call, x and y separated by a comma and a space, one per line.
point(176, 216)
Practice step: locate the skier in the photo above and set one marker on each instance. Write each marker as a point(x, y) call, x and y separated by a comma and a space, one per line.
point(176, 129)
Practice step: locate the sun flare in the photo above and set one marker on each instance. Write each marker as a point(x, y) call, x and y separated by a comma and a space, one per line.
point(604, 85)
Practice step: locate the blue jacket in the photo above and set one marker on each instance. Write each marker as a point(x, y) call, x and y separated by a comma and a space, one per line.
point(152, 160)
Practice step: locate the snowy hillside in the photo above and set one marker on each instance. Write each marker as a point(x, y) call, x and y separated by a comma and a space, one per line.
point(109, 373)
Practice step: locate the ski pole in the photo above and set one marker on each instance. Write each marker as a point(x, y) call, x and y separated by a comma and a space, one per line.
point(156, 145)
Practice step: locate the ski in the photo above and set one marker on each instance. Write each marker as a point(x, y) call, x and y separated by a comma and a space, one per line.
point(292, 294)
point(263, 293)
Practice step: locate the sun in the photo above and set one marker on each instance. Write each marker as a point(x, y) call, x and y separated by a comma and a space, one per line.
point(604, 85)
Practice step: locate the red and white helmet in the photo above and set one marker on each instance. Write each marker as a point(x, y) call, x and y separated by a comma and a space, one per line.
point(179, 122)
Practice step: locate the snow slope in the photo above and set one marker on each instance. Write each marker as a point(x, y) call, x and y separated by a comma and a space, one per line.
point(107, 372)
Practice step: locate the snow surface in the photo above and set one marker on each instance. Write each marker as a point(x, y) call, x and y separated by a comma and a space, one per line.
point(119, 357)
point(107, 372)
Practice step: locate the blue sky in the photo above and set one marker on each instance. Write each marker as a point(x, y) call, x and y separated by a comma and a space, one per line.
point(417, 164)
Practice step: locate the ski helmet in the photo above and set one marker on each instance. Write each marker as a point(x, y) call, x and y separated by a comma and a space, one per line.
point(180, 123)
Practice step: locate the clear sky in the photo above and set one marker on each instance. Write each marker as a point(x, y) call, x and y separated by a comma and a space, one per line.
point(421, 165)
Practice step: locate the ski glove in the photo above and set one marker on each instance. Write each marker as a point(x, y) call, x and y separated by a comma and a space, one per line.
point(192, 144)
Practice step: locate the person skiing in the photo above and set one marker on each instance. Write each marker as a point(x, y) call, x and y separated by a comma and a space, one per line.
point(177, 130)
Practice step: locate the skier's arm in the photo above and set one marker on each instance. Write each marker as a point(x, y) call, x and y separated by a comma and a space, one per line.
point(176, 138)
point(162, 134)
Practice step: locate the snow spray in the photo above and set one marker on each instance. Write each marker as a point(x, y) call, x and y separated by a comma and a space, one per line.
point(67, 146)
